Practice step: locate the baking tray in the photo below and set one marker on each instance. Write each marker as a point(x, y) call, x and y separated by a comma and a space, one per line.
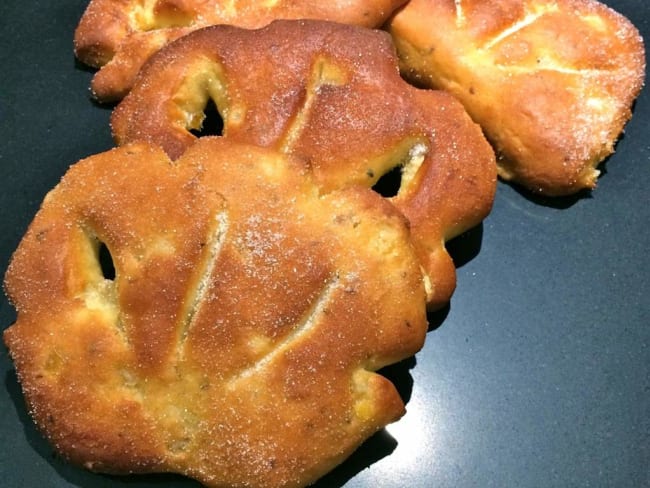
point(536, 375)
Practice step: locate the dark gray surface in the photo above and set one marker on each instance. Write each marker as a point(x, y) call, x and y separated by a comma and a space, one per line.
point(538, 374)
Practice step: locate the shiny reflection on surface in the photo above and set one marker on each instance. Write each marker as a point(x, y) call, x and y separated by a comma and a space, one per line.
point(417, 438)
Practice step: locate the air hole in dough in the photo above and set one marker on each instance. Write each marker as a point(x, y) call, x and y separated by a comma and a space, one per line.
point(106, 262)
point(212, 124)
point(389, 184)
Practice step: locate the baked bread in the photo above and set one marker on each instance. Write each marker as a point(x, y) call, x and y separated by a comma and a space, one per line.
point(236, 339)
point(552, 83)
point(330, 94)
point(117, 36)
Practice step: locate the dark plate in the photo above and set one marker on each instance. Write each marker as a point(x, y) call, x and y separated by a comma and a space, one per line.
point(537, 375)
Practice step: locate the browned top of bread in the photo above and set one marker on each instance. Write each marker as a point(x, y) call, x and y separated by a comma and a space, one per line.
point(236, 341)
point(551, 83)
point(119, 35)
point(332, 95)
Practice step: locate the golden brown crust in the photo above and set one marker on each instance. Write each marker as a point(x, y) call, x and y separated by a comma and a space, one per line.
point(551, 83)
point(337, 101)
point(236, 342)
point(117, 36)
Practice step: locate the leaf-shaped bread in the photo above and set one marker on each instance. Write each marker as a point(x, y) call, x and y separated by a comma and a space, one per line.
point(552, 83)
point(118, 36)
point(332, 95)
point(236, 339)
